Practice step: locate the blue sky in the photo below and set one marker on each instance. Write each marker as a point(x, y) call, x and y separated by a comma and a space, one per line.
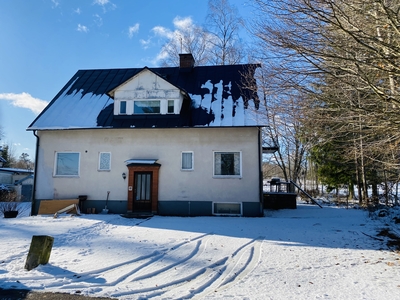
point(44, 42)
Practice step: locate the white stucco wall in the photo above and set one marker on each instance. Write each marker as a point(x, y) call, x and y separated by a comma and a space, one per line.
point(165, 145)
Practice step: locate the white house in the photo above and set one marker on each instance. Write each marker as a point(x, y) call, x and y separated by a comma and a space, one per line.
point(172, 141)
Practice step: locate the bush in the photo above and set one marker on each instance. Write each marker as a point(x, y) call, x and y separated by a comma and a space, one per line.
point(8, 199)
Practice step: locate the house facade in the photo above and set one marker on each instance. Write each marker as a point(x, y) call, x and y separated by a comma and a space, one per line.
point(171, 141)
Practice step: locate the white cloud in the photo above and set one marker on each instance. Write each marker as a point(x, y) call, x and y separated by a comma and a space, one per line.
point(163, 32)
point(133, 29)
point(104, 3)
point(145, 43)
point(182, 23)
point(56, 3)
point(78, 11)
point(98, 20)
point(101, 2)
point(161, 55)
point(25, 100)
point(82, 28)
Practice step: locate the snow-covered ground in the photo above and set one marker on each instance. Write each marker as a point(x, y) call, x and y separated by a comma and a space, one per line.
point(307, 253)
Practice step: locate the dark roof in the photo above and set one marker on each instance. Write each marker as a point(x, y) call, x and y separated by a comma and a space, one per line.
point(216, 96)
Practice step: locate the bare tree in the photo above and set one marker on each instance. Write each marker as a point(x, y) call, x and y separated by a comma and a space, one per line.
point(187, 39)
point(217, 44)
point(223, 24)
point(342, 58)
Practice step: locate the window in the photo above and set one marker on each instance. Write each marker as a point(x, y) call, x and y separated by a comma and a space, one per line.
point(227, 208)
point(104, 161)
point(187, 160)
point(170, 106)
point(227, 164)
point(67, 164)
point(146, 107)
point(122, 107)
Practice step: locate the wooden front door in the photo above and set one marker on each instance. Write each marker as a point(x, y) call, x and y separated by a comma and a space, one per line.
point(142, 191)
point(143, 188)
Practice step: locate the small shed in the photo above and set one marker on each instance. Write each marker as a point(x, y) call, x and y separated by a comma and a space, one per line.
point(20, 180)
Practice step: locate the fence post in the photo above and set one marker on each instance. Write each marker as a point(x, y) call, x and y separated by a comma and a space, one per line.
point(39, 251)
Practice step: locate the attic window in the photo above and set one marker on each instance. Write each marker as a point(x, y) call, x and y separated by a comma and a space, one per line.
point(146, 107)
point(122, 107)
point(171, 107)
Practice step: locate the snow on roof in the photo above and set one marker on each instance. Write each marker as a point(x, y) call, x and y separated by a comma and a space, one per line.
point(15, 170)
point(141, 161)
point(218, 97)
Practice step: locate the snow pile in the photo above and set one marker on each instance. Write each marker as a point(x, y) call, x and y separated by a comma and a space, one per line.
point(329, 253)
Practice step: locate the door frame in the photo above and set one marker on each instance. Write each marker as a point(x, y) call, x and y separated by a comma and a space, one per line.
point(154, 169)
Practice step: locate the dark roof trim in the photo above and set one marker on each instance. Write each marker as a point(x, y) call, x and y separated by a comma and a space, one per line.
point(267, 150)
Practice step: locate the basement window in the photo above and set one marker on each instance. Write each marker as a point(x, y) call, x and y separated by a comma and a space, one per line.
point(230, 209)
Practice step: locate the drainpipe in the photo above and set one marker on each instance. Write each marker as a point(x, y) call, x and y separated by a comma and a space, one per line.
point(260, 170)
point(34, 174)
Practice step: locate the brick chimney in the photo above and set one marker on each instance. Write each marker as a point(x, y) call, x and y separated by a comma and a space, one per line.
point(186, 60)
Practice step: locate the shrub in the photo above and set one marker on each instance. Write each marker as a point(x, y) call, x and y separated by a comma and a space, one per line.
point(8, 199)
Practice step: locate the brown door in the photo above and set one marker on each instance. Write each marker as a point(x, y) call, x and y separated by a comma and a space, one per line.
point(142, 191)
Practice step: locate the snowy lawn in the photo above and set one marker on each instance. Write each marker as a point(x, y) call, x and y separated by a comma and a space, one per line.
point(307, 253)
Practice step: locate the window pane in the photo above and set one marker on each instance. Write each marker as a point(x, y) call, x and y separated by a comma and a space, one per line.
point(67, 164)
point(122, 107)
point(227, 208)
point(170, 106)
point(146, 107)
point(227, 163)
point(105, 161)
point(187, 160)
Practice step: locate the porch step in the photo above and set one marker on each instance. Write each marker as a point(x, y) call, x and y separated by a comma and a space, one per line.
point(137, 215)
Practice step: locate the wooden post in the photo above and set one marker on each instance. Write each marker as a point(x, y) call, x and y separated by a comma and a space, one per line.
point(39, 252)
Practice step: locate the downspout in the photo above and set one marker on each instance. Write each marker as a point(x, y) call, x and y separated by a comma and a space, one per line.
point(33, 212)
point(260, 171)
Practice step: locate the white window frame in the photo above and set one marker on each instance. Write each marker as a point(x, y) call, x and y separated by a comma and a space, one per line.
point(191, 152)
point(173, 107)
point(109, 163)
point(227, 214)
point(228, 176)
point(147, 100)
point(56, 155)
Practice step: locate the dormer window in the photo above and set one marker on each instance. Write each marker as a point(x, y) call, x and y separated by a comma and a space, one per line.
point(122, 107)
point(146, 107)
point(171, 107)
point(147, 93)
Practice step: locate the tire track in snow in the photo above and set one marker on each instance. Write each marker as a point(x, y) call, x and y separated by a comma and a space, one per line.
point(216, 276)
point(242, 262)
point(86, 279)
